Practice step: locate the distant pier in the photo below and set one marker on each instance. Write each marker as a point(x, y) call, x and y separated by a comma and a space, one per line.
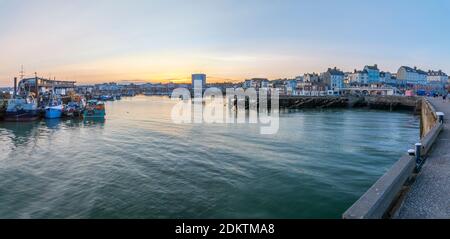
point(373, 102)
point(389, 103)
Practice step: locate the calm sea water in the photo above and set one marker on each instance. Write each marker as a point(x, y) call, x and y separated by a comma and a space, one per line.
point(137, 164)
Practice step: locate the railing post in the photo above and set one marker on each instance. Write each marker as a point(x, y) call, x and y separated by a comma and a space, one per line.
point(440, 116)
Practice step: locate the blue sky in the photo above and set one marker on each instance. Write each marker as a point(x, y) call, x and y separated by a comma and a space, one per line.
point(155, 40)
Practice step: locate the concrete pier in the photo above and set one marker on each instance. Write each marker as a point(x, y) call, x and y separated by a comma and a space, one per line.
point(373, 102)
point(429, 196)
point(387, 195)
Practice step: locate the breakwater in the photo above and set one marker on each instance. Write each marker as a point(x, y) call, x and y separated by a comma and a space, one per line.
point(373, 102)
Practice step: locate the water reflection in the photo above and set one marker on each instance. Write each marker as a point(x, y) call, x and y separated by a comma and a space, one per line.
point(94, 122)
point(72, 123)
point(20, 133)
point(52, 123)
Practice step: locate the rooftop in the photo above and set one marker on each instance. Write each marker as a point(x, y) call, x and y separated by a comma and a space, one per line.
point(414, 70)
point(374, 67)
point(436, 73)
point(335, 71)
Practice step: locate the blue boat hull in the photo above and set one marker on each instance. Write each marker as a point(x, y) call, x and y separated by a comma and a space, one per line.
point(53, 113)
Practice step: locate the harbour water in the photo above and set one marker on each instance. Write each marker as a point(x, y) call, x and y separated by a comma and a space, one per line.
point(138, 164)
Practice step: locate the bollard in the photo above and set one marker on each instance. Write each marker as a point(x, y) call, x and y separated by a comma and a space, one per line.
point(440, 116)
point(411, 152)
point(418, 153)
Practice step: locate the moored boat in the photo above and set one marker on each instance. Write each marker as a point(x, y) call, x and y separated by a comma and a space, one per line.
point(22, 109)
point(95, 109)
point(73, 109)
point(3, 105)
point(107, 98)
point(54, 109)
point(53, 112)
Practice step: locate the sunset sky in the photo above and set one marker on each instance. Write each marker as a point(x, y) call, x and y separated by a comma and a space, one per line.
point(167, 40)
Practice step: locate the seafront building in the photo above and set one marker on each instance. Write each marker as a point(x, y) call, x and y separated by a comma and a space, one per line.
point(385, 76)
point(412, 75)
point(332, 82)
point(47, 85)
point(437, 77)
point(311, 78)
point(256, 83)
point(334, 78)
point(291, 87)
point(299, 79)
point(199, 77)
point(358, 77)
point(373, 74)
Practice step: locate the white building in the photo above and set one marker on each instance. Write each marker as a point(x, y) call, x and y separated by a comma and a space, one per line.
point(311, 78)
point(256, 83)
point(437, 77)
point(359, 77)
point(412, 75)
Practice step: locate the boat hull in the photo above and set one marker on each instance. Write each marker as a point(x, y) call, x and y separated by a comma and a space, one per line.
point(98, 114)
point(21, 116)
point(53, 113)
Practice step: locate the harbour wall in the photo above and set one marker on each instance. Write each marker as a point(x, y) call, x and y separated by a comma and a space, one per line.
point(428, 118)
point(384, 198)
point(373, 102)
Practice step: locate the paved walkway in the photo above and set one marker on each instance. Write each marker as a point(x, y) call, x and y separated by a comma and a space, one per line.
point(429, 196)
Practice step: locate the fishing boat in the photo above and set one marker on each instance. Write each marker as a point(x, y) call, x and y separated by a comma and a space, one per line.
point(95, 109)
point(3, 105)
point(73, 109)
point(54, 109)
point(107, 98)
point(22, 109)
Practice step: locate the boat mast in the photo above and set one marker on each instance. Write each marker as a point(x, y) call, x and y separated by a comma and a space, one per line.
point(22, 73)
point(15, 87)
point(37, 86)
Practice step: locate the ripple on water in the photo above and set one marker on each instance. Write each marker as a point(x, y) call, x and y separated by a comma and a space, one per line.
point(138, 164)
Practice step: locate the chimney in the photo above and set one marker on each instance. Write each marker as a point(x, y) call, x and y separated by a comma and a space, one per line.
point(15, 87)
